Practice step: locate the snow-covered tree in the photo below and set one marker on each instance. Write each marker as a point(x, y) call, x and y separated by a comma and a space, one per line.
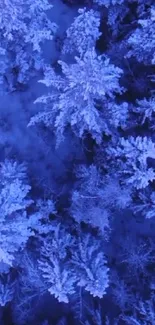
point(14, 225)
point(145, 204)
point(68, 262)
point(137, 254)
point(115, 115)
point(91, 266)
point(131, 155)
point(122, 295)
point(96, 197)
point(3, 64)
point(145, 108)
point(77, 95)
point(116, 15)
point(14, 188)
point(30, 288)
point(108, 3)
point(83, 33)
point(39, 219)
point(7, 289)
point(143, 313)
point(142, 40)
point(88, 203)
point(24, 25)
point(55, 267)
point(88, 233)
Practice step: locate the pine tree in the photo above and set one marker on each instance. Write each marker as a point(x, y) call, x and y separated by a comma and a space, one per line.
point(77, 96)
point(23, 28)
point(142, 40)
point(83, 33)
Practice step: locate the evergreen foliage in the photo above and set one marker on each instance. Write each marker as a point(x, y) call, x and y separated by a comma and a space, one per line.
point(77, 170)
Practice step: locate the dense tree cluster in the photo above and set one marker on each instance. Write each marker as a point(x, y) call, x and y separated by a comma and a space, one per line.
point(77, 162)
